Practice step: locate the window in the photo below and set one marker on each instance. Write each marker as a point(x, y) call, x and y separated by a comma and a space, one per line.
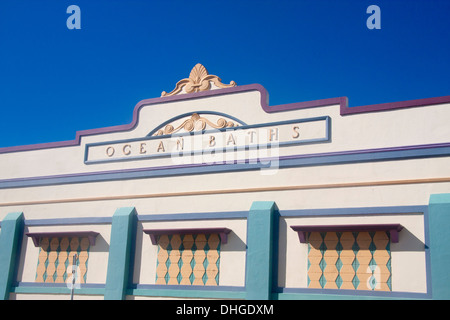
point(56, 255)
point(349, 256)
point(188, 259)
point(56, 251)
point(349, 260)
point(188, 256)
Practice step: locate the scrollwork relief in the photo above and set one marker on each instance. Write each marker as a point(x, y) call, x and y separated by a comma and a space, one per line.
point(194, 123)
point(199, 80)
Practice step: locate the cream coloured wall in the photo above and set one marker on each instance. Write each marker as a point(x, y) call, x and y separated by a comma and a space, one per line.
point(387, 183)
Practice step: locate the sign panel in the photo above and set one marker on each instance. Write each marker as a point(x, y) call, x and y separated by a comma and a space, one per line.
point(216, 145)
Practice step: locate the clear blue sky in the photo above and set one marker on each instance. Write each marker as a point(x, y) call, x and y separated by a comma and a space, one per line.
point(55, 81)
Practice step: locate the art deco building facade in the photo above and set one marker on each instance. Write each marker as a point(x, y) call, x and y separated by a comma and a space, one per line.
point(210, 192)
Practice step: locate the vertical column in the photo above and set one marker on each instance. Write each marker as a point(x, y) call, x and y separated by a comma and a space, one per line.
point(123, 231)
point(261, 247)
point(10, 242)
point(439, 224)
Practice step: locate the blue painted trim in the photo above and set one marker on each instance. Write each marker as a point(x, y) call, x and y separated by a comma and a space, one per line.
point(121, 253)
point(143, 218)
point(194, 216)
point(187, 288)
point(205, 132)
point(260, 272)
point(419, 209)
point(348, 157)
point(57, 285)
point(67, 221)
point(428, 265)
point(439, 222)
point(242, 123)
point(182, 291)
point(57, 288)
point(10, 244)
point(304, 293)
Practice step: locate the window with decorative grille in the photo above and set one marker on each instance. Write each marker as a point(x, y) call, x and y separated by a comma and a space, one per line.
point(188, 259)
point(349, 260)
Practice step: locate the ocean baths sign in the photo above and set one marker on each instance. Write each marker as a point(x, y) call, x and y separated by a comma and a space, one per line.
point(233, 144)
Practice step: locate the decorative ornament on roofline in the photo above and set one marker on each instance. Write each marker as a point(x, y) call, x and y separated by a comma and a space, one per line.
point(199, 80)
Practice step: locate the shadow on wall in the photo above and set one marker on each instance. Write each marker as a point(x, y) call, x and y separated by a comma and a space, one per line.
point(407, 242)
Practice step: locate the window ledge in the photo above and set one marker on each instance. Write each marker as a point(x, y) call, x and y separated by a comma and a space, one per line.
point(223, 232)
point(36, 236)
point(393, 229)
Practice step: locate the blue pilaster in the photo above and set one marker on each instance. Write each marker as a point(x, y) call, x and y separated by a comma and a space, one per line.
point(123, 231)
point(261, 248)
point(10, 242)
point(439, 226)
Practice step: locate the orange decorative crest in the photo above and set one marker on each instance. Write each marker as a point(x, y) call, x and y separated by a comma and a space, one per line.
point(199, 80)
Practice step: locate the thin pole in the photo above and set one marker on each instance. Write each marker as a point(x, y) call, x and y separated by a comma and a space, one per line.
point(74, 263)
